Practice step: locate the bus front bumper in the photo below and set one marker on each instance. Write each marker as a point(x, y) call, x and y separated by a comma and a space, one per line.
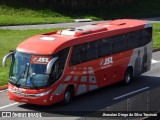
point(43, 100)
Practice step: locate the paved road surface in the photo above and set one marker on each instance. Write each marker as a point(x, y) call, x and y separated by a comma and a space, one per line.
point(64, 25)
point(46, 26)
point(94, 101)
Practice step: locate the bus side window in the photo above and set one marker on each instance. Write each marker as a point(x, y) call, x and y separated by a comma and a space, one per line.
point(62, 57)
point(146, 36)
point(75, 57)
point(78, 54)
point(105, 47)
point(91, 51)
point(133, 39)
point(119, 43)
point(84, 53)
point(59, 65)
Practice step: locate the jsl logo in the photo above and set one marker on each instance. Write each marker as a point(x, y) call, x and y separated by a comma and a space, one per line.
point(106, 61)
point(46, 60)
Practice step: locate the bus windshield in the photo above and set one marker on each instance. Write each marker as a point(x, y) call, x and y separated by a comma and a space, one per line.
point(29, 70)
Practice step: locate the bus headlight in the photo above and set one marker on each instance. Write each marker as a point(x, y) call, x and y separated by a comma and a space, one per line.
point(42, 94)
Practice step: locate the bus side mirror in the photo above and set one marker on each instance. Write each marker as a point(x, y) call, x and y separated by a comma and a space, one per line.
point(50, 64)
point(6, 57)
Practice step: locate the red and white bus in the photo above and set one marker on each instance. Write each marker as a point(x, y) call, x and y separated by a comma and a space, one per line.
point(56, 66)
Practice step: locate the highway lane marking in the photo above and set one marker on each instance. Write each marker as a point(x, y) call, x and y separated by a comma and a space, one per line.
point(155, 61)
point(3, 90)
point(131, 93)
point(11, 104)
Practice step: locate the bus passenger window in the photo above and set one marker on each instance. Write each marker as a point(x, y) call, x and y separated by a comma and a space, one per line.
point(119, 43)
point(82, 54)
point(146, 36)
point(105, 47)
point(91, 51)
point(133, 39)
point(78, 54)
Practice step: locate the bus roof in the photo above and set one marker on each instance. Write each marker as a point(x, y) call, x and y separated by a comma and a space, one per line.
point(52, 42)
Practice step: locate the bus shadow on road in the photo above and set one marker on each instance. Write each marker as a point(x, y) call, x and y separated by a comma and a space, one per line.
point(96, 100)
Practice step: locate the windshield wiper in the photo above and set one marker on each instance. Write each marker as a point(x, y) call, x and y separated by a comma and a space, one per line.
point(23, 72)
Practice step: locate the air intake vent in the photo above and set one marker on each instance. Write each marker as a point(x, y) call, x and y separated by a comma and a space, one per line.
point(117, 23)
point(79, 31)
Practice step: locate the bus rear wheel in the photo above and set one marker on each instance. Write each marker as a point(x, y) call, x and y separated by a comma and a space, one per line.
point(68, 95)
point(127, 77)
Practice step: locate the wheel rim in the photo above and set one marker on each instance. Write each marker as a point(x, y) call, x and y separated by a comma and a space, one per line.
point(128, 77)
point(67, 97)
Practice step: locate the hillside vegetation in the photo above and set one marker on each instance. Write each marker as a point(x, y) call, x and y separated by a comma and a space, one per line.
point(16, 12)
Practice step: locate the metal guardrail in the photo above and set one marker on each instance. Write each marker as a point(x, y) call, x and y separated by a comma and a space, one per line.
point(146, 102)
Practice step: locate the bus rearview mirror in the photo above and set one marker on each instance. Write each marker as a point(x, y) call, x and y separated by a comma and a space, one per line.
point(50, 64)
point(6, 57)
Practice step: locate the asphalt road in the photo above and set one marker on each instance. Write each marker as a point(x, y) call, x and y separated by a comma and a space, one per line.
point(65, 25)
point(46, 26)
point(93, 101)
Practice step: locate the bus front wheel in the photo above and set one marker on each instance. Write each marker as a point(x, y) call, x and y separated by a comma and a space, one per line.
point(68, 95)
point(127, 77)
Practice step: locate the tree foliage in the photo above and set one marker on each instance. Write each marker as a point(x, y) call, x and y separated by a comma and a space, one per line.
point(71, 3)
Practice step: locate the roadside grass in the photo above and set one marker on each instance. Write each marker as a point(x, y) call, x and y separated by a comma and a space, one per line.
point(11, 15)
point(156, 35)
point(24, 13)
point(9, 39)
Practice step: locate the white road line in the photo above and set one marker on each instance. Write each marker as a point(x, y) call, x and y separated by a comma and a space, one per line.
point(155, 61)
point(3, 90)
point(130, 93)
point(11, 104)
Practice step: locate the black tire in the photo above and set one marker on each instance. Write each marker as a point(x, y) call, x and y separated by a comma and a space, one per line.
point(68, 95)
point(127, 77)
